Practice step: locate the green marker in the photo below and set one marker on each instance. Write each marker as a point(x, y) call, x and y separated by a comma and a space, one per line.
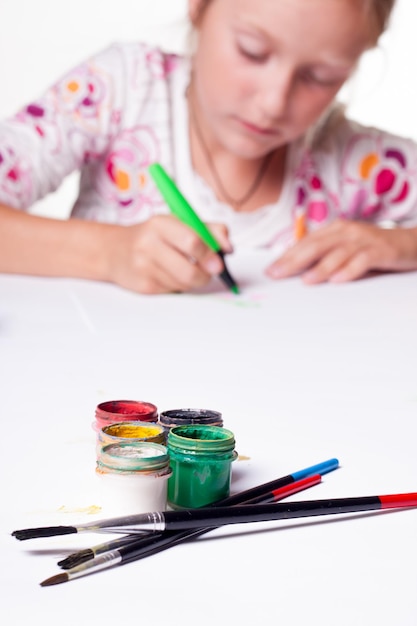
point(179, 206)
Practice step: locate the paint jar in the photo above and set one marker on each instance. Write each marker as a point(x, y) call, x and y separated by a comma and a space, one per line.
point(131, 432)
point(114, 411)
point(201, 461)
point(133, 477)
point(182, 417)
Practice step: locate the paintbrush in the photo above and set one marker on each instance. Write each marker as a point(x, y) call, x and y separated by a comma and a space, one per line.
point(187, 519)
point(146, 546)
point(260, 490)
point(81, 556)
point(133, 552)
point(143, 543)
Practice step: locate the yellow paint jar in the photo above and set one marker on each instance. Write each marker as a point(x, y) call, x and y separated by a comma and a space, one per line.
point(130, 432)
point(133, 431)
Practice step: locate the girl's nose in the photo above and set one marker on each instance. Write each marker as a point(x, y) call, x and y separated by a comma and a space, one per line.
point(276, 92)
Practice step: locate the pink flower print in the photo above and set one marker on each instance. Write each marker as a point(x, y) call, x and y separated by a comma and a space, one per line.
point(376, 177)
point(317, 211)
point(161, 64)
point(311, 200)
point(127, 182)
point(37, 113)
point(15, 178)
point(41, 119)
point(311, 209)
point(317, 208)
point(399, 156)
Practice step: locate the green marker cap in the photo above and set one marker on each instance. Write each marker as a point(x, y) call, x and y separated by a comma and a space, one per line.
point(179, 206)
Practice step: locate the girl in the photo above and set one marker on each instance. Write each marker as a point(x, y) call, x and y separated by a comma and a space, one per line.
point(249, 129)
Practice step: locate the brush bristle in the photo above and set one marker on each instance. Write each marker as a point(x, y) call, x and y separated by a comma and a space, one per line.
point(48, 531)
point(76, 559)
point(55, 580)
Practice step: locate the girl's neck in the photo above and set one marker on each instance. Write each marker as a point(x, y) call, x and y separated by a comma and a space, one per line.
point(244, 184)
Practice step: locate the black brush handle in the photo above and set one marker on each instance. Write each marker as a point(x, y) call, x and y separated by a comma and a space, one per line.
point(243, 514)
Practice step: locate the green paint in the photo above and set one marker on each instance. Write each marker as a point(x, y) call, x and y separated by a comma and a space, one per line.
point(200, 459)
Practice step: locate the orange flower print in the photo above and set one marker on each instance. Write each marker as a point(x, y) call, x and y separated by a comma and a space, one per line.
point(126, 181)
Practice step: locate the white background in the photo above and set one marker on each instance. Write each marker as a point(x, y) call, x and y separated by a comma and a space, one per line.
point(328, 371)
point(42, 39)
point(300, 375)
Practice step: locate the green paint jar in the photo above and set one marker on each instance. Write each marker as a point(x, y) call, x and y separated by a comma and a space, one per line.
point(201, 462)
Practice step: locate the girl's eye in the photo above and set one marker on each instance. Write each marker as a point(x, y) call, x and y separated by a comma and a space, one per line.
point(310, 77)
point(253, 55)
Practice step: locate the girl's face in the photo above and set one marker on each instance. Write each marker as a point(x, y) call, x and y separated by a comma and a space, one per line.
point(265, 70)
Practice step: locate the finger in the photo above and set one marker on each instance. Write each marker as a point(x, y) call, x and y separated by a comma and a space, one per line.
point(162, 280)
point(314, 246)
point(221, 233)
point(178, 235)
point(301, 256)
point(204, 262)
point(150, 277)
point(189, 242)
point(161, 268)
point(355, 267)
point(180, 272)
point(328, 265)
point(341, 266)
point(185, 241)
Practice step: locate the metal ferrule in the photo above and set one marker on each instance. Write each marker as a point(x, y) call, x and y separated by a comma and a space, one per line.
point(147, 522)
point(99, 562)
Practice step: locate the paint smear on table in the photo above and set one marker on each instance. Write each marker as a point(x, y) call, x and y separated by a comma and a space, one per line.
point(247, 301)
point(93, 509)
point(243, 300)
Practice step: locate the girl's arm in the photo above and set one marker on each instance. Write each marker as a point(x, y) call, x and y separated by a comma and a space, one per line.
point(41, 246)
point(159, 256)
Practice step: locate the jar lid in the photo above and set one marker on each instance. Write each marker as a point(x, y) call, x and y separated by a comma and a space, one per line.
point(201, 438)
point(131, 408)
point(134, 456)
point(179, 417)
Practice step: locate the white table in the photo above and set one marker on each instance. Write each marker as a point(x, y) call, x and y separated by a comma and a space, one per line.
point(301, 374)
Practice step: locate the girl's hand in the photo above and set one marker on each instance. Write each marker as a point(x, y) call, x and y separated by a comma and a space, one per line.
point(346, 250)
point(162, 255)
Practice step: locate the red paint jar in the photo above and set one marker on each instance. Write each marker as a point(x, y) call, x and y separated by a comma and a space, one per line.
point(117, 411)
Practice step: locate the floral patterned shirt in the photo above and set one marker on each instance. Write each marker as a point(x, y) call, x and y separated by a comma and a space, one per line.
point(125, 108)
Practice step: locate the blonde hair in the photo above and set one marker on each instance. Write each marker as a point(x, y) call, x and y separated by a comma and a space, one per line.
point(379, 11)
